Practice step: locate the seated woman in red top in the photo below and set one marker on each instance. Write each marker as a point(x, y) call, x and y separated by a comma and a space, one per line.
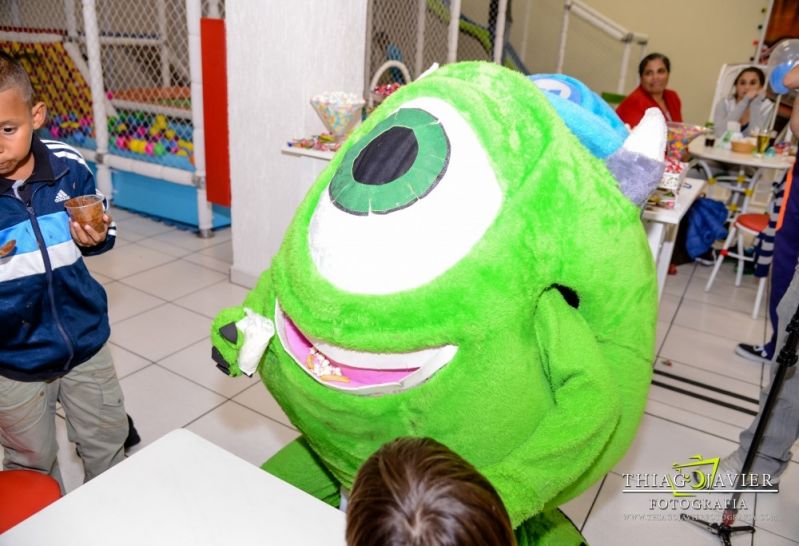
point(653, 70)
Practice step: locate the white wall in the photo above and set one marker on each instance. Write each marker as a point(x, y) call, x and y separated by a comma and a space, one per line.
point(280, 53)
point(698, 37)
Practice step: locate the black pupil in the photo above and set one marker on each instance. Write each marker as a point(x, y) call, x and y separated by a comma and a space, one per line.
point(387, 157)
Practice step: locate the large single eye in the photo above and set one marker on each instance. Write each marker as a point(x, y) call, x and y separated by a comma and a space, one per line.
point(385, 171)
point(408, 201)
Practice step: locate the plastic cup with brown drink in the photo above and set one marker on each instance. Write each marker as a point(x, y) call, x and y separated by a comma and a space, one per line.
point(87, 209)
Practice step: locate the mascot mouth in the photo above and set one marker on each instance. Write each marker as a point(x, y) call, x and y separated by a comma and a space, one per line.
point(358, 372)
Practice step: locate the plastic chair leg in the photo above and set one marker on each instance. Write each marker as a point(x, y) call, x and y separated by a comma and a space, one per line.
point(720, 258)
point(759, 298)
point(740, 273)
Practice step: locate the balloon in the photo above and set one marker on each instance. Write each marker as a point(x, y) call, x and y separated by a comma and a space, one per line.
point(783, 57)
point(775, 79)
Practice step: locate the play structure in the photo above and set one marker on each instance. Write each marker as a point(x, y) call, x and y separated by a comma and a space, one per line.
point(123, 84)
point(405, 41)
point(606, 25)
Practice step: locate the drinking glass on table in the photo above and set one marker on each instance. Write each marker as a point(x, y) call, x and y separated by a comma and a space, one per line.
point(763, 140)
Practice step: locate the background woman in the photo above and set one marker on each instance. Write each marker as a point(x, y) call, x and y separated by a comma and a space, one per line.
point(747, 105)
point(653, 71)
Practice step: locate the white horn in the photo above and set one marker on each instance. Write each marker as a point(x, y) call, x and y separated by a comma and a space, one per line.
point(649, 136)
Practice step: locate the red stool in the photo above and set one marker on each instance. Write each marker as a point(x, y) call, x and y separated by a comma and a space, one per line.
point(752, 224)
point(22, 494)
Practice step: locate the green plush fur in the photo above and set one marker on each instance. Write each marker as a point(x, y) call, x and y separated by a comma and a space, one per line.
point(542, 398)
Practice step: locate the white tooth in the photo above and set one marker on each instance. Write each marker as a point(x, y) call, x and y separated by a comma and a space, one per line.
point(649, 136)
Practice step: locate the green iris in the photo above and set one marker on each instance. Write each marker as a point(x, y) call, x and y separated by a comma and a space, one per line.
point(397, 163)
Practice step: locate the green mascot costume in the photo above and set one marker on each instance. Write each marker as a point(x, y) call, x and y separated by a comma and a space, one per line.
point(468, 268)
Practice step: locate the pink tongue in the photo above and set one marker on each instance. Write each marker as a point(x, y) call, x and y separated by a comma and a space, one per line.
point(358, 377)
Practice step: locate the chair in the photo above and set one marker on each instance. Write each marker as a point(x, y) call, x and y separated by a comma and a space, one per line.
point(22, 494)
point(752, 224)
point(740, 186)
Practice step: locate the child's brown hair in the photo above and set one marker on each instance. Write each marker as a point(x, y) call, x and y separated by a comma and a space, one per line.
point(417, 492)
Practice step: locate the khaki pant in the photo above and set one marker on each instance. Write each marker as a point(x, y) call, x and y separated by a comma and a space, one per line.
point(95, 414)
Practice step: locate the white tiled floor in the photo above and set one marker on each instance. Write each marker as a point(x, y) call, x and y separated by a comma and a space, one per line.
point(164, 285)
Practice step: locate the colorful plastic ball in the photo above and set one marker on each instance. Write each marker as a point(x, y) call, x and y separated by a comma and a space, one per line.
point(159, 149)
point(170, 134)
point(148, 148)
point(55, 132)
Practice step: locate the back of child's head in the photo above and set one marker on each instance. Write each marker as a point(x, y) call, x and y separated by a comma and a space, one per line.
point(417, 492)
point(12, 75)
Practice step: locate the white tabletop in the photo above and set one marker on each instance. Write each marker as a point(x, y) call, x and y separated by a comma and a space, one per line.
point(307, 152)
point(183, 490)
point(697, 148)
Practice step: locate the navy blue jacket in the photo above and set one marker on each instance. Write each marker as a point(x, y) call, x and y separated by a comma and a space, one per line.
point(54, 315)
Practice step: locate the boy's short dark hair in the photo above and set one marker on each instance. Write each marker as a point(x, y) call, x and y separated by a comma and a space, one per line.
point(13, 75)
point(417, 492)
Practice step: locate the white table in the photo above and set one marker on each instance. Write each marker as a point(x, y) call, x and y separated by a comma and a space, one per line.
point(661, 227)
point(183, 490)
point(761, 163)
point(307, 152)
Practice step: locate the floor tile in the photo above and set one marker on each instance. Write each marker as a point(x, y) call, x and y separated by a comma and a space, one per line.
point(128, 260)
point(160, 332)
point(126, 362)
point(166, 248)
point(120, 214)
point(194, 363)
point(777, 512)
point(243, 432)
point(682, 416)
point(258, 398)
point(222, 252)
point(212, 299)
point(209, 262)
point(143, 226)
point(660, 334)
point(578, 508)
point(672, 371)
point(125, 238)
point(102, 279)
point(125, 301)
point(659, 444)
point(720, 321)
point(714, 353)
point(160, 401)
point(740, 298)
point(668, 307)
point(763, 537)
point(676, 284)
point(174, 279)
point(706, 410)
point(189, 240)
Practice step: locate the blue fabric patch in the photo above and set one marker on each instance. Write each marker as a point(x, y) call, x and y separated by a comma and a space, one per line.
point(585, 113)
point(55, 230)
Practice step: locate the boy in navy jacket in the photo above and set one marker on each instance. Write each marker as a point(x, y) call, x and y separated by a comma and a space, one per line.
point(54, 319)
